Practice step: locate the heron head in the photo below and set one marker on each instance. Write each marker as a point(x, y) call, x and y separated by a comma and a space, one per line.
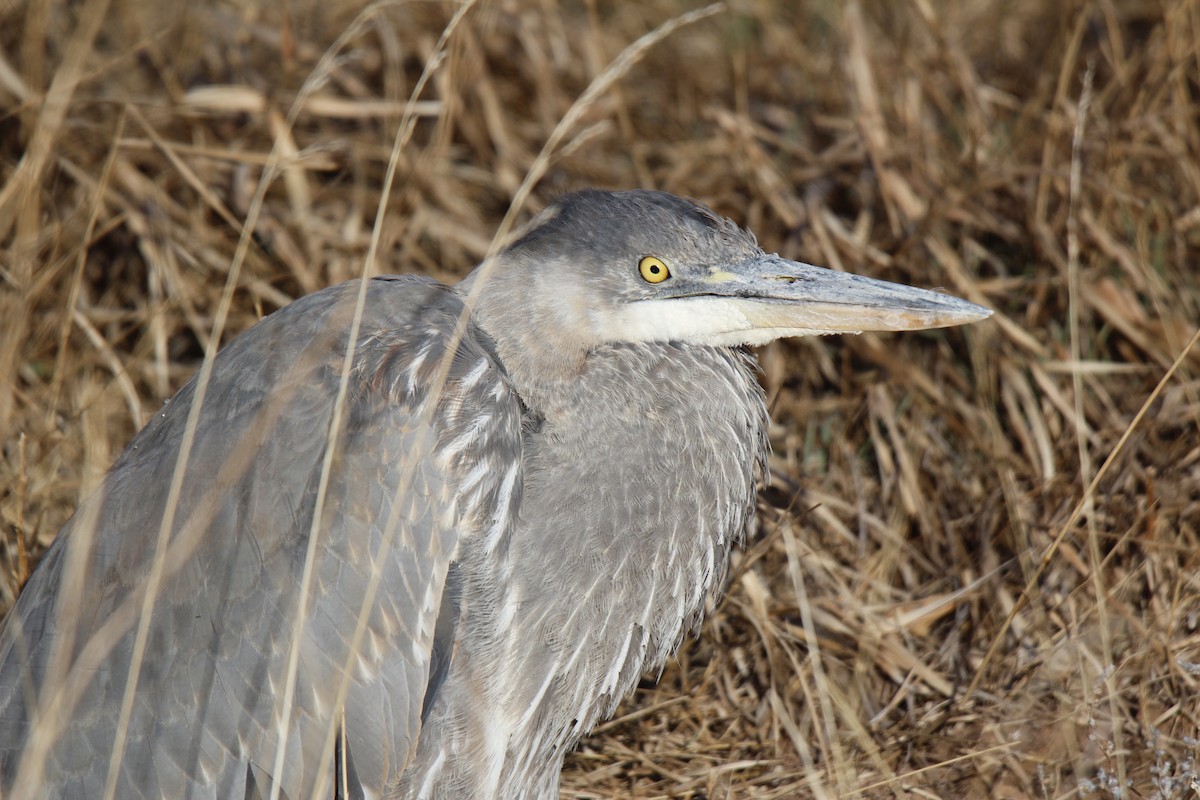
point(600, 268)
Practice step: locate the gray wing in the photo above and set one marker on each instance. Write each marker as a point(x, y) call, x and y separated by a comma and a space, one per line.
point(415, 476)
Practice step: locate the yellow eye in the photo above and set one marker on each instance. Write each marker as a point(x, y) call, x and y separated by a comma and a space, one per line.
point(653, 270)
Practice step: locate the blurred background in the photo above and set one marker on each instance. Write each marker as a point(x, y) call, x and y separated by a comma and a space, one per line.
point(978, 570)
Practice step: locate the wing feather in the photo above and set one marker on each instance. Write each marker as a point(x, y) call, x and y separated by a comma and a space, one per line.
point(206, 719)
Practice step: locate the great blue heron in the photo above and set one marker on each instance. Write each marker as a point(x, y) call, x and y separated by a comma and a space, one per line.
point(436, 591)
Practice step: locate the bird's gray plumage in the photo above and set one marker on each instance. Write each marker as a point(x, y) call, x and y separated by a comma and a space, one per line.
point(222, 624)
point(547, 464)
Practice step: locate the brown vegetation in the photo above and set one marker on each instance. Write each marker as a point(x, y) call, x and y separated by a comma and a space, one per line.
point(979, 567)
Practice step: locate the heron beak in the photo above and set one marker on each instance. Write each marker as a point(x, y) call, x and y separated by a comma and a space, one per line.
point(767, 297)
point(790, 298)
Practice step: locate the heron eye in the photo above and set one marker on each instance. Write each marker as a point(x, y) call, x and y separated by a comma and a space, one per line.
point(653, 270)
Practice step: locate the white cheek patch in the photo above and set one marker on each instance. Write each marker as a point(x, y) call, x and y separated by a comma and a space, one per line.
point(712, 321)
point(690, 319)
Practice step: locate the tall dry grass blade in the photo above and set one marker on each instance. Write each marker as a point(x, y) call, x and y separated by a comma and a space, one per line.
point(613, 73)
point(838, 762)
point(159, 559)
point(403, 134)
point(1081, 434)
point(603, 83)
point(96, 205)
point(27, 176)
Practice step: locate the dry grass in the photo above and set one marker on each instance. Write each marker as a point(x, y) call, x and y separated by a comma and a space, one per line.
point(979, 572)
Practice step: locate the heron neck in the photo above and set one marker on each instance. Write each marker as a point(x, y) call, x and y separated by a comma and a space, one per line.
point(532, 333)
point(635, 488)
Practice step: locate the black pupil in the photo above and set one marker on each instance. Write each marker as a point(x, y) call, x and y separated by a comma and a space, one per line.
point(653, 269)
